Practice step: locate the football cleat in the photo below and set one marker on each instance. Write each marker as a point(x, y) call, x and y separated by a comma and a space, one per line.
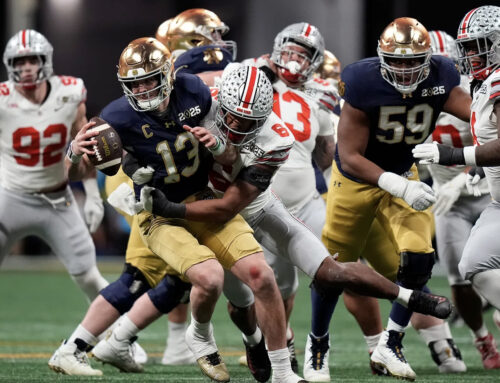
point(487, 347)
point(288, 378)
point(316, 359)
point(258, 361)
point(70, 359)
point(207, 355)
point(388, 359)
point(177, 353)
point(447, 356)
point(430, 304)
point(138, 353)
point(290, 343)
point(117, 353)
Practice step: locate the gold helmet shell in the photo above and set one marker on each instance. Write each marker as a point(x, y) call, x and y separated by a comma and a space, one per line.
point(142, 59)
point(330, 68)
point(404, 49)
point(194, 28)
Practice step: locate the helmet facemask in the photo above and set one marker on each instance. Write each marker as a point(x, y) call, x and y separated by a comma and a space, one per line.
point(486, 59)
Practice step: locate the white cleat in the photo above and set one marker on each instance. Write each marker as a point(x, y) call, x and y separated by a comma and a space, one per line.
point(177, 353)
point(139, 355)
point(447, 356)
point(316, 359)
point(69, 360)
point(388, 359)
point(116, 353)
point(291, 377)
point(207, 355)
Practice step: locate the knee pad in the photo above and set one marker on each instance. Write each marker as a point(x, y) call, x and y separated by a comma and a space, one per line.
point(123, 292)
point(415, 269)
point(169, 293)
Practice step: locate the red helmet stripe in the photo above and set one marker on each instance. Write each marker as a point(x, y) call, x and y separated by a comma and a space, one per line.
point(466, 21)
point(441, 42)
point(308, 30)
point(23, 38)
point(250, 87)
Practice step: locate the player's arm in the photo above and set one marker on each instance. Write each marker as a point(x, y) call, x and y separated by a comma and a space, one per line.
point(223, 152)
point(353, 135)
point(483, 155)
point(458, 103)
point(324, 151)
point(209, 77)
point(251, 181)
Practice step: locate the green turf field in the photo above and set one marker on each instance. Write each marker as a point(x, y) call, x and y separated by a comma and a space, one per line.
point(39, 309)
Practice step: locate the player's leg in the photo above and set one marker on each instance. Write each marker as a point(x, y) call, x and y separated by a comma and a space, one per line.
point(452, 231)
point(176, 350)
point(69, 238)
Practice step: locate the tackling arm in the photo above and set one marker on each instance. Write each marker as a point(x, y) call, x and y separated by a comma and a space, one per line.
point(324, 151)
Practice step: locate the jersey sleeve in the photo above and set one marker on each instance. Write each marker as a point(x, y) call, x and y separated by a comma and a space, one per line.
point(495, 87)
point(326, 126)
point(74, 87)
point(351, 85)
point(203, 59)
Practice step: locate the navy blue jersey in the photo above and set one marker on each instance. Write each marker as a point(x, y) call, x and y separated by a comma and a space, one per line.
point(181, 165)
point(397, 123)
point(203, 59)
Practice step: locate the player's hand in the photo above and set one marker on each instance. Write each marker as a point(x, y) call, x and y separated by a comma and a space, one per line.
point(415, 193)
point(475, 175)
point(83, 141)
point(139, 174)
point(438, 154)
point(154, 201)
point(202, 135)
point(448, 194)
point(93, 210)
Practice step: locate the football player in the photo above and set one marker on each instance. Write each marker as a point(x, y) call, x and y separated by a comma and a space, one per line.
point(39, 114)
point(478, 42)
point(196, 251)
point(391, 104)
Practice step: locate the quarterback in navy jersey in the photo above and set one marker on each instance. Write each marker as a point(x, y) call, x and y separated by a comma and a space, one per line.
point(391, 104)
point(159, 140)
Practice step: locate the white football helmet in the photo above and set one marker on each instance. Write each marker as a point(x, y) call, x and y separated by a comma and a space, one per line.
point(479, 34)
point(142, 59)
point(443, 44)
point(247, 93)
point(304, 35)
point(404, 49)
point(25, 43)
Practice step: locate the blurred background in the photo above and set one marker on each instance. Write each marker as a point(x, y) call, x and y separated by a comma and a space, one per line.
point(89, 35)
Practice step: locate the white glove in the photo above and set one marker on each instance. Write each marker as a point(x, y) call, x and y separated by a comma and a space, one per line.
point(123, 199)
point(415, 193)
point(426, 153)
point(475, 175)
point(93, 209)
point(448, 194)
point(143, 175)
point(146, 201)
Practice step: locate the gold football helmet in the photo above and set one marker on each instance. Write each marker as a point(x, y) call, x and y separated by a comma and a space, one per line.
point(404, 49)
point(330, 68)
point(146, 58)
point(193, 28)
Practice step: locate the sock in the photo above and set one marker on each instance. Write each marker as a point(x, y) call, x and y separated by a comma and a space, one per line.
point(201, 329)
point(322, 311)
point(404, 296)
point(253, 339)
point(126, 329)
point(83, 334)
point(481, 332)
point(391, 325)
point(372, 341)
point(435, 333)
point(280, 362)
point(176, 330)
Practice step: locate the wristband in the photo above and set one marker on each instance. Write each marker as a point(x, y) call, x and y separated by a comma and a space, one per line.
point(218, 148)
point(74, 158)
point(470, 155)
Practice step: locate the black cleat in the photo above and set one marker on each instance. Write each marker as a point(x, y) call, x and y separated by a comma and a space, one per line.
point(430, 304)
point(258, 361)
point(290, 343)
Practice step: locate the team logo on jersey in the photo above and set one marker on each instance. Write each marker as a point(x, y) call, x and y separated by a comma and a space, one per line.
point(341, 88)
point(434, 91)
point(213, 56)
point(188, 113)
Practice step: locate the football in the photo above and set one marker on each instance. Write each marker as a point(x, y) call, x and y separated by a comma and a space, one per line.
point(107, 155)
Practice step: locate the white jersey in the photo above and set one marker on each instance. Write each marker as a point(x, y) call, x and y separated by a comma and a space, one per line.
point(295, 182)
point(454, 132)
point(33, 138)
point(484, 124)
point(271, 147)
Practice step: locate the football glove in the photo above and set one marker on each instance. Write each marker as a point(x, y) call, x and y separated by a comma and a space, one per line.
point(140, 175)
point(93, 209)
point(154, 201)
point(475, 175)
point(415, 193)
point(444, 155)
point(448, 194)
